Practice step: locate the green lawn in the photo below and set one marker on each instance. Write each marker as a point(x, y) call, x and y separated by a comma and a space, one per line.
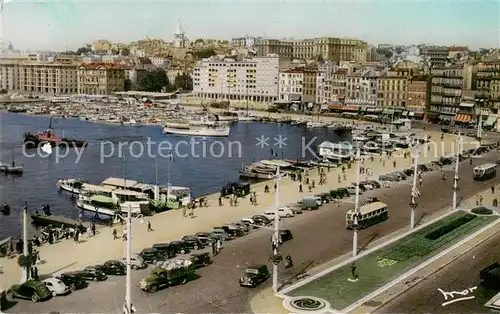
point(387, 263)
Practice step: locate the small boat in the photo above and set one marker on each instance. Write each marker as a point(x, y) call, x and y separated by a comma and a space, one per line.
point(202, 131)
point(71, 185)
point(335, 152)
point(99, 204)
point(13, 168)
point(49, 136)
point(313, 125)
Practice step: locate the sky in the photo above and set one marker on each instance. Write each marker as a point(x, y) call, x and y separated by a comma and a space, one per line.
point(57, 24)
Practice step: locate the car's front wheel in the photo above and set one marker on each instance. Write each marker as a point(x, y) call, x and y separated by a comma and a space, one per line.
point(72, 287)
point(183, 252)
point(54, 294)
point(95, 278)
point(34, 298)
point(152, 289)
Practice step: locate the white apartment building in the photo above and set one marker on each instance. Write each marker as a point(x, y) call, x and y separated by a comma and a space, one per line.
point(361, 88)
point(160, 62)
point(254, 79)
point(324, 83)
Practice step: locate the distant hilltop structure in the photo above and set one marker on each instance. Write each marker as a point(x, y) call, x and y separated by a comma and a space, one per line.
point(180, 39)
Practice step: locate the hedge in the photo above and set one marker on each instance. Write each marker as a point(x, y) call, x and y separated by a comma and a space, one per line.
point(482, 211)
point(449, 227)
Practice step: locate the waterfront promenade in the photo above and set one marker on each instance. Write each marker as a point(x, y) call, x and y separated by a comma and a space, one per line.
point(171, 225)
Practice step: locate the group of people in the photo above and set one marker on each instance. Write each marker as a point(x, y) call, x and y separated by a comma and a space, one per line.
point(216, 246)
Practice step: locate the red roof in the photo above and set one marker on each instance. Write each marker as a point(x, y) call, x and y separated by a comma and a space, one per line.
point(457, 48)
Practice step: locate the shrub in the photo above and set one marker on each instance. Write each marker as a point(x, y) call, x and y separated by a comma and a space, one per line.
point(482, 211)
point(449, 227)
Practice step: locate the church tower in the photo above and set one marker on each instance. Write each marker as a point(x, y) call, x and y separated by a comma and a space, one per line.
point(180, 39)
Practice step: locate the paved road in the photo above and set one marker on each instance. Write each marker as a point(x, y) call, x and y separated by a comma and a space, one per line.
point(461, 274)
point(217, 290)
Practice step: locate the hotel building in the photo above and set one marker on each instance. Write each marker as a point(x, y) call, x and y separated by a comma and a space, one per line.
point(333, 49)
point(393, 89)
point(298, 85)
point(447, 86)
point(253, 79)
point(100, 79)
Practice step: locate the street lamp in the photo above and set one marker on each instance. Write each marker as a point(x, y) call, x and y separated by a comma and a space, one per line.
point(414, 192)
point(456, 178)
point(276, 259)
point(480, 120)
point(355, 226)
point(25, 273)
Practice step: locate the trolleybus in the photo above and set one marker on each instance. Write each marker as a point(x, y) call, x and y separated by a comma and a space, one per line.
point(368, 215)
point(485, 172)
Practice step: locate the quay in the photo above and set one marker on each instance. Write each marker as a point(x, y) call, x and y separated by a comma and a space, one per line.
point(172, 225)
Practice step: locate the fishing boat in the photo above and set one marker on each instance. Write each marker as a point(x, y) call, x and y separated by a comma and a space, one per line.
point(200, 131)
point(12, 168)
point(71, 185)
point(49, 136)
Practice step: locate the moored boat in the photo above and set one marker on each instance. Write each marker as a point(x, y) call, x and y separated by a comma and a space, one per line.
point(202, 131)
point(12, 169)
point(71, 185)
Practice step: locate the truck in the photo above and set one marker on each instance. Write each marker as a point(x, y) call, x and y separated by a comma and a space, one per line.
point(168, 274)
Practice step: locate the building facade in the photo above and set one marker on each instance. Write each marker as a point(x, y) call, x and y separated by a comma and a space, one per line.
point(298, 85)
point(447, 86)
point(339, 84)
point(436, 55)
point(254, 79)
point(392, 91)
point(324, 83)
point(361, 87)
point(487, 84)
point(418, 93)
point(36, 78)
point(100, 79)
point(333, 49)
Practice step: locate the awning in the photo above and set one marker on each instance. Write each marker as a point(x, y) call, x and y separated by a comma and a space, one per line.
point(379, 110)
point(371, 116)
point(467, 104)
point(389, 111)
point(370, 109)
point(462, 117)
point(385, 111)
point(490, 121)
point(398, 110)
point(350, 108)
point(335, 107)
point(405, 113)
point(412, 113)
point(445, 117)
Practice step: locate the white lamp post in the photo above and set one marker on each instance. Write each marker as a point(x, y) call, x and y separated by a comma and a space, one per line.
point(276, 235)
point(356, 204)
point(25, 273)
point(414, 191)
point(456, 178)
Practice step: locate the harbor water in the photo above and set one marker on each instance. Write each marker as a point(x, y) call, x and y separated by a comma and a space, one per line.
point(203, 164)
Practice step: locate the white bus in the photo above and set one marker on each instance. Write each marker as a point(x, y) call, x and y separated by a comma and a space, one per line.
point(485, 172)
point(368, 215)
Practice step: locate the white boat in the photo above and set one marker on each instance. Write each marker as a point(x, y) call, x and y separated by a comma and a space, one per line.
point(71, 185)
point(177, 123)
point(335, 151)
point(98, 204)
point(312, 124)
point(201, 130)
point(12, 169)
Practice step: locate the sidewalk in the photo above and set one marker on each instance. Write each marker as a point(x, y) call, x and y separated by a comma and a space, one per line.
point(172, 225)
point(267, 302)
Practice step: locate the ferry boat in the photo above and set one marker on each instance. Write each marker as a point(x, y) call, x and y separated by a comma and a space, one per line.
point(200, 130)
point(49, 136)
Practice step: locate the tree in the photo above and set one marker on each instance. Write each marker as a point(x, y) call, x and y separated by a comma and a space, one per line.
point(154, 81)
point(386, 52)
point(83, 50)
point(205, 53)
point(115, 51)
point(184, 82)
point(128, 85)
point(125, 51)
point(319, 58)
point(399, 50)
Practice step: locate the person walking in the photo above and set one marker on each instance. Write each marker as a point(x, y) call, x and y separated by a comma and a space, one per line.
point(149, 226)
point(220, 201)
point(214, 248)
point(115, 234)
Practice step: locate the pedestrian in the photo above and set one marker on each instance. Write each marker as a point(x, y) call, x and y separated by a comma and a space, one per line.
point(149, 226)
point(493, 190)
point(421, 181)
point(115, 234)
point(394, 164)
point(220, 201)
point(480, 200)
point(183, 211)
point(219, 245)
point(300, 188)
point(477, 200)
point(231, 202)
point(338, 178)
point(214, 248)
point(93, 229)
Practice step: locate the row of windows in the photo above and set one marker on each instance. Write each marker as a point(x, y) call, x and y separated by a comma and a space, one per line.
point(239, 65)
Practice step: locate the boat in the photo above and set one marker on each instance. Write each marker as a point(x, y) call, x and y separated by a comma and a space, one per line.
point(55, 221)
point(13, 168)
point(335, 152)
point(49, 136)
point(340, 127)
point(99, 205)
point(177, 123)
point(200, 130)
point(71, 185)
point(312, 124)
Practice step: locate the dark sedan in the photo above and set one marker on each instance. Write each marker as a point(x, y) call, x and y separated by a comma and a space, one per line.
point(261, 220)
point(116, 268)
point(193, 242)
point(94, 274)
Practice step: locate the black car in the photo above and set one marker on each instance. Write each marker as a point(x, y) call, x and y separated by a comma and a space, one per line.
point(374, 183)
point(31, 290)
point(116, 268)
point(200, 259)
point(254, 275)
point(166, 249)
point(232, 231)
point(205, 237)
point(180, 247)
point(490, 276)
point(94, 274)
point(286, 235)
point(152, 255)
point(74, 280)
point(261, 220)
point(193, 242)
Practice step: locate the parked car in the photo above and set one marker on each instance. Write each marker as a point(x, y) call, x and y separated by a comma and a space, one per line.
point(361, 187)
point(352, 190)
point(222, 234)
point(31, 290)
point(193, 242)
point(232, 231)
point(254, 275)
point(204, 237)
point(112, 267)
point(366, 185)
point(200, 259)
point(295, 208)
point(93, 273)
point(309, 203)
point(136, 261)
point(261, 220)
point(56, 286)
point(166, 249)
point(490, 275)
point(180, 247)
point(286, 235)
point(374, 183)
point(152, 255)
point(249, 222)
point(282, 213)
point(74, 280)
point(241, 225)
